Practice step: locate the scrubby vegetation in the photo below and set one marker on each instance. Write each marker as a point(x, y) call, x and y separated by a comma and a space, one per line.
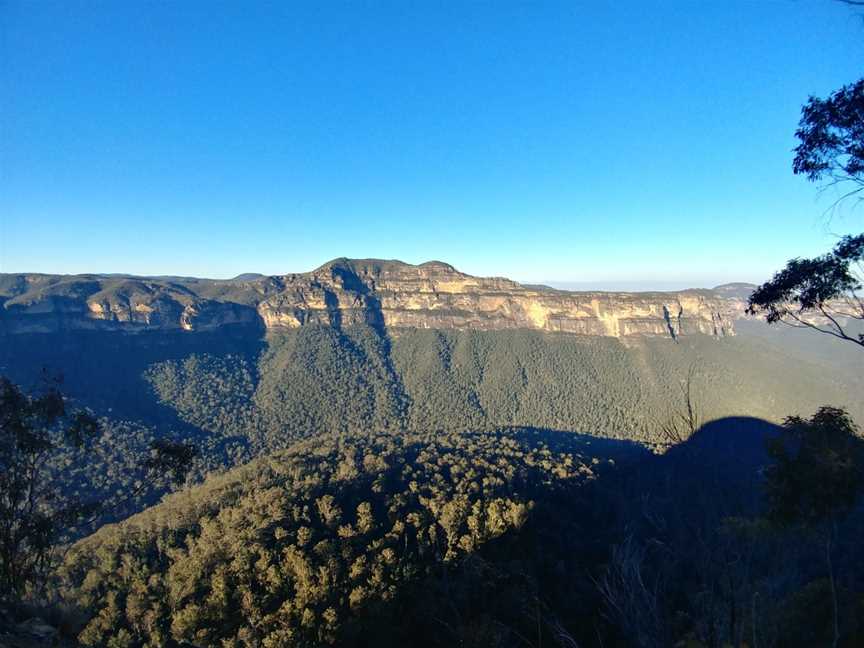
point(518, 537)
point(237, 397)
point(44, 502)
point(457, 521)
point(319, 379)
point(306, 546)
point(598, 386)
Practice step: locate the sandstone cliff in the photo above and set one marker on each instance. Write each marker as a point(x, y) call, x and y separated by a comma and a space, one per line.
point(385, 294)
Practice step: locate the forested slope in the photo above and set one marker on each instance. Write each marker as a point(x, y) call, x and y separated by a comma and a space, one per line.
point(318, 379)
point(236, 396)
point(315, 545)
point(477, 539)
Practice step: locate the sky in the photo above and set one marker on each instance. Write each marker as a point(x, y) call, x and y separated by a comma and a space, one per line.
point(628, 143)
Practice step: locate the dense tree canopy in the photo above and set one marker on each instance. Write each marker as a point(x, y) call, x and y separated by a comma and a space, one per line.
point(34, 513)
point(39, 509)
point(235, 399)
point(295, 548)
point(815, 479)
point(816, 474)
point(477, 539)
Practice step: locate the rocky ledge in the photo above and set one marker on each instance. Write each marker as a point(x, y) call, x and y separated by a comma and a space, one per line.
point(384, 294)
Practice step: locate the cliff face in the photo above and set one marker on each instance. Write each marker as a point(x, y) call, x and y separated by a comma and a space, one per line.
point(384, 294)
point(48, 303)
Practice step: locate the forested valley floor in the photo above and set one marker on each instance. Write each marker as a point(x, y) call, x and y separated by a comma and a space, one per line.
point(440, 488)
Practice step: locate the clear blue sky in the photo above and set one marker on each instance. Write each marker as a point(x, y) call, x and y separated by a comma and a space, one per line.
point(581, 141)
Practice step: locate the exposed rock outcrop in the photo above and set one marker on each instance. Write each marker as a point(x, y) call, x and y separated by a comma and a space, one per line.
point(384, 294)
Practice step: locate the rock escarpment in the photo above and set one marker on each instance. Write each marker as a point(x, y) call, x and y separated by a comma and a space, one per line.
point(385, 294)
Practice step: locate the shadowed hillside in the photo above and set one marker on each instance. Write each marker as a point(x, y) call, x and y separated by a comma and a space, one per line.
point(477, 539)
point(236, 395)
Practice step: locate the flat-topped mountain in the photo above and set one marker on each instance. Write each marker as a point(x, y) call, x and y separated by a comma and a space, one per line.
point(384, 294)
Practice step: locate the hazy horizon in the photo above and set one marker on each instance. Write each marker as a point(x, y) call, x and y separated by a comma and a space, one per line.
point(623, 284)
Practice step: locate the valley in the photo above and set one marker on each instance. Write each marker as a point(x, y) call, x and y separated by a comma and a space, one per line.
point(344, 292)
point(583, 369)
point(267, 360)
point(240, 389)
point(380, 426)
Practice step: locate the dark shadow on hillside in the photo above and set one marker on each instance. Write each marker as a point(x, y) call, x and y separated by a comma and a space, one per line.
point(585, 444)
point(104, 370)
point(737, 443)
point(725, 450)
point(538, 586)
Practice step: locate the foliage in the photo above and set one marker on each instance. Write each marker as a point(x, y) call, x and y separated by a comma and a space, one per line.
point(815, 478)
point(209, 391)
point(831, 147)
point(826, 286)
point(171, 458)
point(831, 136)
point(701, 562)
point(237, 398)
point(39, 506)
point(34, 514)
point(297, 548)
point(319, 380)
point(515, 537)
point(816, 471)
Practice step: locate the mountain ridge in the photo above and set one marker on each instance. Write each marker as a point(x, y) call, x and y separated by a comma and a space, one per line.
point(387, 294)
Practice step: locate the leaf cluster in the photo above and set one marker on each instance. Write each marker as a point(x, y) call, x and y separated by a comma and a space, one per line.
point(826, 285)
point(831, 135)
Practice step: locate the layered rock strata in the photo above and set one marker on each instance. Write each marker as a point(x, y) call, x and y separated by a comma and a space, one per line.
point(384, 294)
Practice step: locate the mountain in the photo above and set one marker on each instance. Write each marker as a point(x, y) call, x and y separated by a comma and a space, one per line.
point(253, 363)
point(407, 455)
point(384, 294)
point(737, 291)
point(245, 367)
